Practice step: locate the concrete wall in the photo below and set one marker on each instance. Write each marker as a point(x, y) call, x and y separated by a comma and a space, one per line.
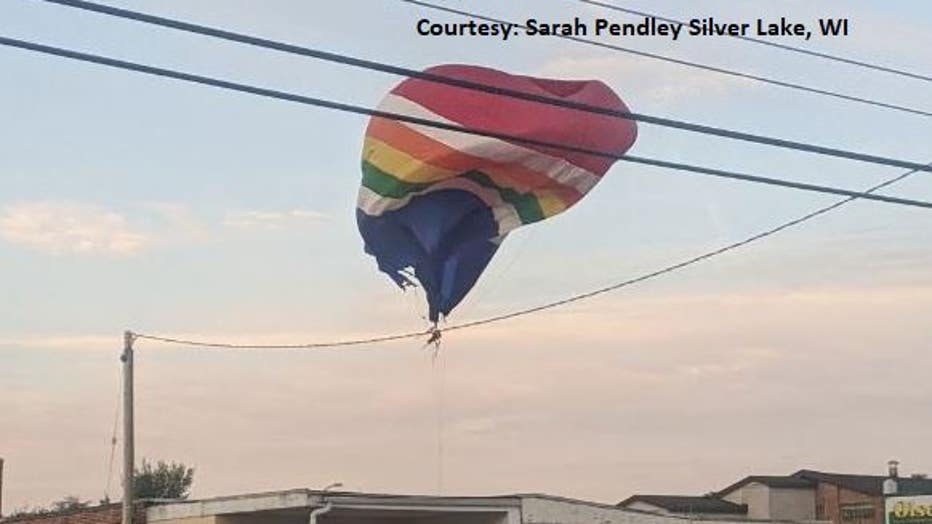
point(475, 518)
point(334, 518)
point(287, 508)
point(792, 504)
point(643, 506)
point(535, 510)
point(197, 520)
point(765, 502)
point(756, 496)
point(294, 506)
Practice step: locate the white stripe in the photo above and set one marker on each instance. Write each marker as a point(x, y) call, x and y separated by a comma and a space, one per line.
point(374, 204)
point(492, 148)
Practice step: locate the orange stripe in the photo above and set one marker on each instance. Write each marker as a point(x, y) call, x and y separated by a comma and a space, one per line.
point(407, 169)
point(435, 153)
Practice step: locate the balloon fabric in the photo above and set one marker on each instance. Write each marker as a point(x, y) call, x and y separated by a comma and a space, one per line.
point(435, 204)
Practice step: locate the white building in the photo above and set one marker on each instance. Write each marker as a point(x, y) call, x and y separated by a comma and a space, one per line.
point(295, 507)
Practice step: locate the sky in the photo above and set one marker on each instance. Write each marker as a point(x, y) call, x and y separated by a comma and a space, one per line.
point(134, 202)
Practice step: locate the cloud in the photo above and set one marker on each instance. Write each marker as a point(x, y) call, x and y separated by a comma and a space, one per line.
point(65, 227)
point(68, 227)
point(272, 219)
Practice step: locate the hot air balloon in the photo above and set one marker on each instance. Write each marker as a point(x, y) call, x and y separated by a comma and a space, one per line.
point(435, 204)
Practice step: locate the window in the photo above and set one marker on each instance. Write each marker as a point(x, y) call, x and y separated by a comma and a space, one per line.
point(857, 512)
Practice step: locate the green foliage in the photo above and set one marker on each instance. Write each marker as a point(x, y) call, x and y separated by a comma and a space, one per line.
point(67, 503)
point(163, 480)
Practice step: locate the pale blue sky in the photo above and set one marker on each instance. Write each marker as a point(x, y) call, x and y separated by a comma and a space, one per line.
point(129, 201)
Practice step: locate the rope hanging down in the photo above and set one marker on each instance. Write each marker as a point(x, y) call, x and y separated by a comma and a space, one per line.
point(476, 86)
point(349, 108)
point(795, 49)
point(686, 63)
point(435, 333)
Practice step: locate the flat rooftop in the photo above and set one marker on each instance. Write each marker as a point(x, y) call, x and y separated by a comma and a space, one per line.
point(294, 506)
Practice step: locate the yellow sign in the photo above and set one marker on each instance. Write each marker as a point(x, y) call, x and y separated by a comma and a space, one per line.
point(909, 510)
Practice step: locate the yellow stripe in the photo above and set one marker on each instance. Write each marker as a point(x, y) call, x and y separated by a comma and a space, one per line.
point(550, 204)
point(409, 169)
point(400, 164)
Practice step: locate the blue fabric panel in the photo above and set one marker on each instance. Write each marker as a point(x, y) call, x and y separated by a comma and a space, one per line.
point(443, 236)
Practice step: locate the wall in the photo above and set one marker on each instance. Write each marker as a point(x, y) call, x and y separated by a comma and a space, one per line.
point(540, 510)
point(756, 496)
point(106, 514)
point(792, 504)
point(643, 506)
point(831, 500)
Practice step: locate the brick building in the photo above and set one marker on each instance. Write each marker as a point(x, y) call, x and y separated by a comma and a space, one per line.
point(806, 495)
point(857, 499)
point(103, 514)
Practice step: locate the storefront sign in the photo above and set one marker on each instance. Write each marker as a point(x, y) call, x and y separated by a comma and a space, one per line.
point(909, 510)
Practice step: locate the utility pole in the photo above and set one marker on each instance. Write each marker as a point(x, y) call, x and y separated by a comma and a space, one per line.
point(1, 487)
point(128, 438)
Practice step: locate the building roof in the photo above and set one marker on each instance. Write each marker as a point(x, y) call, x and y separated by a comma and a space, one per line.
point(773, 481)
point(868, 484)
point(688, 504)
point(300, 499)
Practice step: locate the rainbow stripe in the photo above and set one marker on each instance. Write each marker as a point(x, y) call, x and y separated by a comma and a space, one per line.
point(517, 184)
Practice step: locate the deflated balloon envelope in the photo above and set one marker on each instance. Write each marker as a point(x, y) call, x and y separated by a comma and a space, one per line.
point(434, 205)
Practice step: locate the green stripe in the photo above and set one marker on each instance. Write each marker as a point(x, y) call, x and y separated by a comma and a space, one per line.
point(526, 204)
point(386, 185)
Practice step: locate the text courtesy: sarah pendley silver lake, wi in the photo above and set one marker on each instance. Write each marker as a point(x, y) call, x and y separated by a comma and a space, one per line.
point(648, 27)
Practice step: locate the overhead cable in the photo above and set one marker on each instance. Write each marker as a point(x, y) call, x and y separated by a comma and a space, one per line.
point(349, 108)
point(679, 265)
point(686, 63)
point(477, 86)
point(312, 345)
point(434, 333)
point(785, 47)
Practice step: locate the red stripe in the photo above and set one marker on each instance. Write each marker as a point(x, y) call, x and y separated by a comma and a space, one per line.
point(527, 119)
point(435, 153)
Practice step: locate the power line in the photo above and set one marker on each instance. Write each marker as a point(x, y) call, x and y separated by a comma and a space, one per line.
point(349, 108)
point(359, 110)
point(313, 345)
point(476, 86)
point(555, 304)
point(785, 47)
point(686, 63)
point(679, 265)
